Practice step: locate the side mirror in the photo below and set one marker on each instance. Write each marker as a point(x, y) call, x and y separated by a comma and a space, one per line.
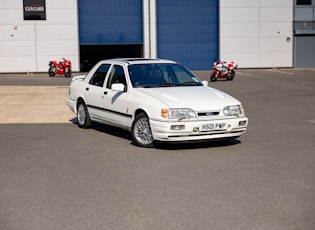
point(118, 87)
point(205, 83)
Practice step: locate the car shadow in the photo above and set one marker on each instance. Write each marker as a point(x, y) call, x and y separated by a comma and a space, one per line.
point(118, 132)
point(197, 144)
point(111, 130)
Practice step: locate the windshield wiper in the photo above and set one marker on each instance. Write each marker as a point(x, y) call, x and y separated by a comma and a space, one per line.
point(189, 83)
point(160, 85)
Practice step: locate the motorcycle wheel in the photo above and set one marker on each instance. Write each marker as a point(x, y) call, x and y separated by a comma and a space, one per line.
point(68, 73)
point(51, 73)
point(213, 77)
point(231, 76)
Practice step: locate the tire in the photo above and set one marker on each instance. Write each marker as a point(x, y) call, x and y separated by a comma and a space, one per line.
point(68, 73)
point(213, 77)
point(231, 76)
point(141, 131)
point(51, 73)
point(83, 117)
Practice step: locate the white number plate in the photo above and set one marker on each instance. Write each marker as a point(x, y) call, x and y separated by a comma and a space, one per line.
point(212, 127)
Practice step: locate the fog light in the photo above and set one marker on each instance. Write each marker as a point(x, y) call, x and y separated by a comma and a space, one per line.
point(242, 123)
point(177, 127)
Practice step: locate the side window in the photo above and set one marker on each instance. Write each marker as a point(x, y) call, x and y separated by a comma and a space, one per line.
point(99, 76)
point(117, 75)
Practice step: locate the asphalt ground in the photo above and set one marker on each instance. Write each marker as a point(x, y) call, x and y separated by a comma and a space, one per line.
point(54, 175)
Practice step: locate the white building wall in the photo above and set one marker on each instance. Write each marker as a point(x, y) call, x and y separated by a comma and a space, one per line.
point(254, 32)
point(28, 46)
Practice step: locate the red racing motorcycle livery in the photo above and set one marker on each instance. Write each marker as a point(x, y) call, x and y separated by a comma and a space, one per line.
point(62, 67)
point(223, 70)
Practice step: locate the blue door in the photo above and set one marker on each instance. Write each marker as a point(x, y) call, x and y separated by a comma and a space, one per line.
point(110, 22)
point(187, 32)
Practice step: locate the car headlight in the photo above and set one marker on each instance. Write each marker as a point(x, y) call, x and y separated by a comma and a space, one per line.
point(233, 110)
point(178, 113)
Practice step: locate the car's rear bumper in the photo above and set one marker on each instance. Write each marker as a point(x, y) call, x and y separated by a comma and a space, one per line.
point(72, 105)
point(190, 130)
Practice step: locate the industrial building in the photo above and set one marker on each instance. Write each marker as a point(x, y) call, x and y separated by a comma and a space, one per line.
point(255, 33)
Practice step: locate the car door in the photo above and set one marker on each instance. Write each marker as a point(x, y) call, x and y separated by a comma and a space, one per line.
point(113, 102)
point(94, 91)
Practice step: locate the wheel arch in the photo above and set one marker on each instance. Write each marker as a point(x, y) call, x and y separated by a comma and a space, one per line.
point(138, 111)
point(78, 100)
point(138, 140)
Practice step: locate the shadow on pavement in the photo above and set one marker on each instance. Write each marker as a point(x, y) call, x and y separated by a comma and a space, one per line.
point(164, 145)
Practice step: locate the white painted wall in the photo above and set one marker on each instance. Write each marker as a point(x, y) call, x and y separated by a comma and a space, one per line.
point(33, 44)
point(254, 32)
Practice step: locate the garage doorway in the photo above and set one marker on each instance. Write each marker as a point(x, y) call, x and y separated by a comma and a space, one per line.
point(91, 54)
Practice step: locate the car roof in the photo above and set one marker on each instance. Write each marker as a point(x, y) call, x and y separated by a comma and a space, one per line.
point(130, 61)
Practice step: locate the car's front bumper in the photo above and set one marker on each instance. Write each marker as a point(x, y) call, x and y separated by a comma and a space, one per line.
point(190, 130)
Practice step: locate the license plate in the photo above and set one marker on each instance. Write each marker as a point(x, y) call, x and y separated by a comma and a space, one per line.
point(212, 127)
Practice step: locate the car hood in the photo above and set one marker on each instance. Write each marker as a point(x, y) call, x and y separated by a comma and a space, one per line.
point(197, 98)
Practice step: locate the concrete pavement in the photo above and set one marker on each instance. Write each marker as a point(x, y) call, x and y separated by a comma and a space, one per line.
point(34, 104)
point(58, 176)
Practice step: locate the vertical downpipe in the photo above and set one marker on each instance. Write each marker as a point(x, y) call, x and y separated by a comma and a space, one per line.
point(153, 30)
point(149, 22)
point(146, 27)
point(149, 28)
point(36, 61)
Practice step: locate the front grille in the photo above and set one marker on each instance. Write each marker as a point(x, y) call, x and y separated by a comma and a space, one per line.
point(207, 114)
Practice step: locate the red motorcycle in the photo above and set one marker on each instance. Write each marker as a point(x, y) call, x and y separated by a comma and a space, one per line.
point(223, 70)
point(62, 67)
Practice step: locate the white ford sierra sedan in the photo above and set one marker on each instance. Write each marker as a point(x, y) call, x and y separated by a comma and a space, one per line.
point(157, 100)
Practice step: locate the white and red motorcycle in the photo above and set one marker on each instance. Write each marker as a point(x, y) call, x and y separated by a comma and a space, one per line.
point(223, 70)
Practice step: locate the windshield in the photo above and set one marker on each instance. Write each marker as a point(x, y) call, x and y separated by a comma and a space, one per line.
point(161, 75)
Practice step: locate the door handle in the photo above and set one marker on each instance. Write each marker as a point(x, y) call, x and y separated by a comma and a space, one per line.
point(105, 93)
point(87, 89)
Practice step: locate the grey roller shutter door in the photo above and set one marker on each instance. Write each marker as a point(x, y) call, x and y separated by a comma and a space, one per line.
point(304, 51)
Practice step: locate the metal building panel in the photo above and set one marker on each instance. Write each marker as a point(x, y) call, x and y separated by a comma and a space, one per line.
point(60, 17)
point(33, 44)
point(275, 44)
point(273, 3)
point(271, 38)
point(21, 33)
point(56, 48)
point(239, 45)
point(275, 59)
point(61, 4)
point(242, 59)
point(9, 17)
point(231, 30)
point(275, 29)
point(17, 48)
point(275, 14)
point(56, 32)
point(239, 15)
point(11, 4)
point(26, 63)
point(240, 3)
